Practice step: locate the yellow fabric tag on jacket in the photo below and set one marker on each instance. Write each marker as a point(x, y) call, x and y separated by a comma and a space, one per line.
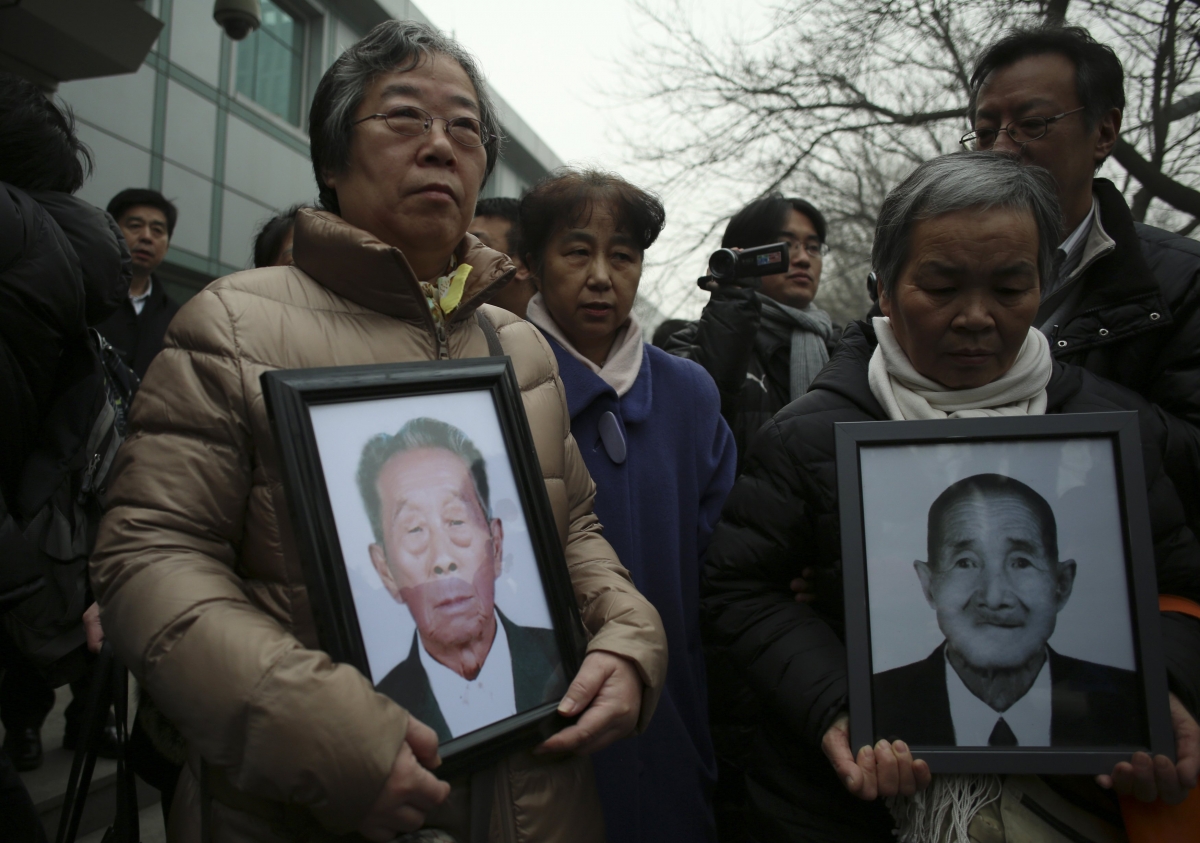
point(458, 282)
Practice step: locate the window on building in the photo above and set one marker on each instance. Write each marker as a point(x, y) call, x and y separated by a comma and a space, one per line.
point(270, 63)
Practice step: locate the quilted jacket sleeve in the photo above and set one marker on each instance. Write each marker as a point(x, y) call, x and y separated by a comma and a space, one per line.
point(722, 341)
point(278, 720)
point(791, 655)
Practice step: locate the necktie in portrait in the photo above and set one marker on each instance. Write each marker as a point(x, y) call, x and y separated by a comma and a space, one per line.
point(1002, 735)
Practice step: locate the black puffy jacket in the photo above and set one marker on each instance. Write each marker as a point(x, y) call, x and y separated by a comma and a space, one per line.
point(63, 265)
point(751, 370)
point(782, 516)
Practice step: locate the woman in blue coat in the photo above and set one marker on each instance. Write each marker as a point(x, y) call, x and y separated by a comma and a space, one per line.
point(650, 429)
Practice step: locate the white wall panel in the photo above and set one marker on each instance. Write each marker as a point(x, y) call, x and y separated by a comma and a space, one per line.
point(122, 104)
point(196, 39)
point(344, 37)
point(193, 196)
point(257, 164)
point(240, 221)
point(118, 166)
point(191, 129)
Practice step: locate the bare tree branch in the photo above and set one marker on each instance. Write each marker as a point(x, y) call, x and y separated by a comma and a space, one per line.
point(1175, 194)
point(837, 100)
point(1185, 107)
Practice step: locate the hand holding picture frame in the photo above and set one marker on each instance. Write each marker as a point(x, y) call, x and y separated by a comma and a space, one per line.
point(1000, 593)
point(429, 547)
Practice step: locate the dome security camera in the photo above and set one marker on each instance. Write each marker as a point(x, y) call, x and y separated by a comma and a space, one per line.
point(237, 17)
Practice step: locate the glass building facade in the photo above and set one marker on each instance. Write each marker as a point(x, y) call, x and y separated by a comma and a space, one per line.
point(220, 127)
point(270, 61)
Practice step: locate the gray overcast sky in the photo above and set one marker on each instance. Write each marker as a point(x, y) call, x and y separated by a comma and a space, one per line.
point(562, 64)
point(550, 59)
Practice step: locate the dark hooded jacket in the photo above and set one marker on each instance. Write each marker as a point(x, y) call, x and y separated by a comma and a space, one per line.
point(1136, 321)
point(782, 517)
point(63, 265)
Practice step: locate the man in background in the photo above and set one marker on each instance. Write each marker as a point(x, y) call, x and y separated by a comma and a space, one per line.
point(1124, 301)
point(764, 344)
point(497, 224)
point(136, 330)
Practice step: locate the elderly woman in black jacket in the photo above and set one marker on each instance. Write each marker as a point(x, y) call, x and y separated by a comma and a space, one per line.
point(959, 251)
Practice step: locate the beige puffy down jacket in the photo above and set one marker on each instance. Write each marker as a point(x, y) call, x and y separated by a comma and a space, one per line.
point(201, 589)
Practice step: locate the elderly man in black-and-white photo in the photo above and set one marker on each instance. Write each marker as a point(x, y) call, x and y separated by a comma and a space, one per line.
point(996, 582)
point(438, 552)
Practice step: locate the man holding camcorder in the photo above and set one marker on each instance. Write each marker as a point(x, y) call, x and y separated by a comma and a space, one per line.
point(763, 341)
point(761, 338)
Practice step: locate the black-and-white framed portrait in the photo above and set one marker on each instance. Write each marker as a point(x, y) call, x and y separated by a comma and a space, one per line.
point(1000, 593)
point(428, 544)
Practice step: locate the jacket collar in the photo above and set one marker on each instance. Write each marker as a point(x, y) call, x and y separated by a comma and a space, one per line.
point(358, 266)
point(1121, 273)
point(584, 387)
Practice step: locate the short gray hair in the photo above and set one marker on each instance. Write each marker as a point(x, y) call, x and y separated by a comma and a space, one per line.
point(957, 182)
point(416, 434)
point(391, 46)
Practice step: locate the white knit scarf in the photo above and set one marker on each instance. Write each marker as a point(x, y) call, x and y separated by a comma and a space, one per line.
point(943, 813)
point(907, 394)
point(624, 359)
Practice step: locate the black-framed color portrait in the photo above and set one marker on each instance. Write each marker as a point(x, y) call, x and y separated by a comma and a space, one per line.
point(1000, 592)
point(428, 544)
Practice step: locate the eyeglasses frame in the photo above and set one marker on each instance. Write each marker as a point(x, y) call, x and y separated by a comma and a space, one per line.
point(1008, 129)
point(485, 136)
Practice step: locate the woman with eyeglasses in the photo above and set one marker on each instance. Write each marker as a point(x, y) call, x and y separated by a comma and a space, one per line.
point(763, 347)
point(197, 575)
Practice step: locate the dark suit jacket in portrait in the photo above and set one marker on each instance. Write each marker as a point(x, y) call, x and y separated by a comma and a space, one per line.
point(537, 676)
point(1091, 704)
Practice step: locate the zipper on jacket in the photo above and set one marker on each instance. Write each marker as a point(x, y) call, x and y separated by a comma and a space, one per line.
point(443, 346)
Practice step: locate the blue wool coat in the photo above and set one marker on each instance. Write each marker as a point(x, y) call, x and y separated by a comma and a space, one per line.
point(658, 509)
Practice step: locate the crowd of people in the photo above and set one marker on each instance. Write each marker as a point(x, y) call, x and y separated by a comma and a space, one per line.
point(692, 480)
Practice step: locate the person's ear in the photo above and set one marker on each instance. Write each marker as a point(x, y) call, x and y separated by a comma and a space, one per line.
point(330, 179)
point(1108, 132)
point(1064, 581)
point(379, 560)
point(885, 302)
point(523, 273)
point(497, 531)
point(925, 575)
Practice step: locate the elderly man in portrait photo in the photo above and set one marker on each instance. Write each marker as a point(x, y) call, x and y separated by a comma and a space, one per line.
point(438, 551)
point(997, 585)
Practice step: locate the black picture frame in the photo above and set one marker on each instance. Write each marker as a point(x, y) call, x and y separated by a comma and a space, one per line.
point(1119, 428)
point(290, 395)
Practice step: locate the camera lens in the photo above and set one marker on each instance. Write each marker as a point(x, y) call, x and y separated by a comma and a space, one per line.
point(723, 265)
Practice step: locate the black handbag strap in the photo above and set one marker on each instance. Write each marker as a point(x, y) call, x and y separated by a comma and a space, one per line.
point(489, 331)
point(84, 761)
point(126, 826)
point(109, 686)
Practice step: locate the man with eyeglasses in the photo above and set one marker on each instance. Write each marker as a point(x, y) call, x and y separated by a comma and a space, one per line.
point(1124, 301)
point(763, 347)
